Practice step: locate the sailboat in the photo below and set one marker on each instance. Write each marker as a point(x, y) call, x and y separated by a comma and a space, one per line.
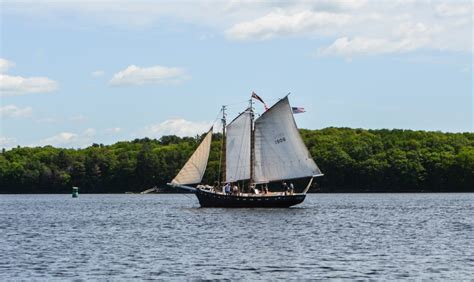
point(256, 154)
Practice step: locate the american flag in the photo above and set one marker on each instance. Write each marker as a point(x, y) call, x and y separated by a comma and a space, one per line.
point(256, 97)
point(298, 110)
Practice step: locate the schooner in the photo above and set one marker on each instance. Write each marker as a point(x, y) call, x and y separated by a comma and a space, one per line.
point(256, 153)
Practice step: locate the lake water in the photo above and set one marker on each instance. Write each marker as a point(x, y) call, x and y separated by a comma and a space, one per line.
point(364, 236)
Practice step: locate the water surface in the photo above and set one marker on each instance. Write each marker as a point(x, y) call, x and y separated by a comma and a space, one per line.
point(365, 236)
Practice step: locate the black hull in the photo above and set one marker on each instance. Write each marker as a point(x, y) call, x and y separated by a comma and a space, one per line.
point(209, 199)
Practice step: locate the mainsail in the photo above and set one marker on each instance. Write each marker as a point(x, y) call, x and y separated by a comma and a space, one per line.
point(279, 149)
point(238, 148)
point(193, 171)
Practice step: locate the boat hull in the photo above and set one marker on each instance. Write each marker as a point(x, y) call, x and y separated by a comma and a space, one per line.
point(209, 199)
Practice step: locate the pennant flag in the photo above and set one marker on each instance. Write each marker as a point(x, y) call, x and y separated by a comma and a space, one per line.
point(298, 110)
point(256, 97)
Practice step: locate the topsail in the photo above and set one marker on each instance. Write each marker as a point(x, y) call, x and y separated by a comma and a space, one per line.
point(279, 149)
point(193, 171)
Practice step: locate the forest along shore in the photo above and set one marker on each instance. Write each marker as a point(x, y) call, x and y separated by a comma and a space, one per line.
point(353, 160)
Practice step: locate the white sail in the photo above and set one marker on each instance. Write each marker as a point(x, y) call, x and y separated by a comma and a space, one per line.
point(279, 149)
point(193, 171)
point(238, 148)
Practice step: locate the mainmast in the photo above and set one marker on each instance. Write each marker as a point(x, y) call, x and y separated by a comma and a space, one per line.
point(224, 149)
point(252, 145)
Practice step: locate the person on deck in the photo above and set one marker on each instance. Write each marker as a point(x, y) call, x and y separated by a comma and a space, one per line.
point(285, 188)
point(292, 188)
point(227, 188)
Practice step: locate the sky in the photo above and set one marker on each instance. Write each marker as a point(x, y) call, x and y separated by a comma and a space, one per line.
point(73, 73)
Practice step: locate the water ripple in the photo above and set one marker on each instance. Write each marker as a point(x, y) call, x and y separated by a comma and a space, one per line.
point(338, 236)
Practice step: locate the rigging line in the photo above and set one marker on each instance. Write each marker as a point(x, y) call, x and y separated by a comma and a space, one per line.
point(246, 101)
point(237, 103)
point(217, 116)
point(274, 99)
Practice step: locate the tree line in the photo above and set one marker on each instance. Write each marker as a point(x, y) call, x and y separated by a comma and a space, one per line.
point(352, 160)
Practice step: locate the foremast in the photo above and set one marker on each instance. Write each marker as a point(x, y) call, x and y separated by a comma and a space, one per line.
point(224, 147)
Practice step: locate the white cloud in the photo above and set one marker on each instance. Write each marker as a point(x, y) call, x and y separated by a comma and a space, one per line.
point(11, 85)
point(90, 132)
point(17, 85)
point(281, 23)
point(98, 73)
point(134, 75)
point(366, 27)
point(60, 139)
point(179, 127)
point(5, 65)
point(70, 139)
point(330, 5)
point(12, 111)
point(448, 24)
point(404, 37)
point(78, 118)
point(454, 9)
point(113, 130)
point(7, 142)
point(371, 46)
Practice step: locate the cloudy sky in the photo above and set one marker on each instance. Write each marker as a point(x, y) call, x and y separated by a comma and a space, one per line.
point(77, 72)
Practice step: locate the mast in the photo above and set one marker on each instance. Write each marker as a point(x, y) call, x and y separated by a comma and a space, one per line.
point(224, 149)
point(252, 145)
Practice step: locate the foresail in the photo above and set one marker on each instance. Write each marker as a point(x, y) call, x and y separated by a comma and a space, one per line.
point(193, 171)
point(279, 149)
point(238, 148)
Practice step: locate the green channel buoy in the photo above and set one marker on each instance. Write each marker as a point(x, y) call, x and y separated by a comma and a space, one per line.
point(75, 192)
